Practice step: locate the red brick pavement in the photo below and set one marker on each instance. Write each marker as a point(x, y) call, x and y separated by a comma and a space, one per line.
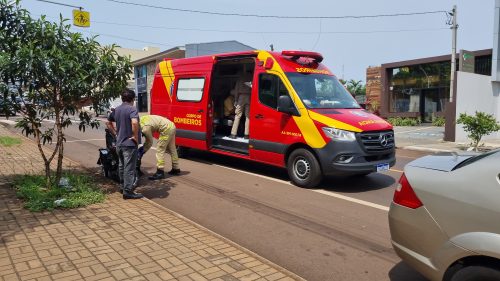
point(114, 240)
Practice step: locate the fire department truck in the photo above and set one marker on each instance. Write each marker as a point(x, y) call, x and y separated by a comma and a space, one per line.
point(300, 117)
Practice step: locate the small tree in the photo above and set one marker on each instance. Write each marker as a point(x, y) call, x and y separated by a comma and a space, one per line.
point(356, 87)
point(477, 126)
point(51, 70)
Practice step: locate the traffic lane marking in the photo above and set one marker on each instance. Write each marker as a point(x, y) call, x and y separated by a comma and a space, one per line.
point(321, 191)
point(394, 170)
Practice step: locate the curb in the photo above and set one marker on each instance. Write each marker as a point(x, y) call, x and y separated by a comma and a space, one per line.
point(426, 149)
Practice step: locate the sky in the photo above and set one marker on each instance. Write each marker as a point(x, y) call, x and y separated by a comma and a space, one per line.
point(348, 46)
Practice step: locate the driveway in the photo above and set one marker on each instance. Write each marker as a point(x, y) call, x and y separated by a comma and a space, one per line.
point(418, 135)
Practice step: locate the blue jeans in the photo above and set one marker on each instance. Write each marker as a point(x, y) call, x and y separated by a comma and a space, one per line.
point(127, 156)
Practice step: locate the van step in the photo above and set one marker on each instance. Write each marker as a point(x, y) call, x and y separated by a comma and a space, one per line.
point(239, 143)
point(231, 149)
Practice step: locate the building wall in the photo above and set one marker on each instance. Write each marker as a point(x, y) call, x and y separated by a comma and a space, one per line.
point(135, 54)
point(476, 93)
point(374, 84)
point(204, 49)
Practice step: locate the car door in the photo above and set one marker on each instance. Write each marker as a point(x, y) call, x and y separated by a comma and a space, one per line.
point(270, 130)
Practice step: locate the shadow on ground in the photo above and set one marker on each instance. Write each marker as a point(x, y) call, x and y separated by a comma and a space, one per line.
point(356, 184)
point(402, 272)
point(352, 184)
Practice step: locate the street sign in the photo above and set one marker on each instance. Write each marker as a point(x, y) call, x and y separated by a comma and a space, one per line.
point(81, 18)
point(466, 61)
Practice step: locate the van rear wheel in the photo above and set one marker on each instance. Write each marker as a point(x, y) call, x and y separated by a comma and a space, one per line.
point(303, 168)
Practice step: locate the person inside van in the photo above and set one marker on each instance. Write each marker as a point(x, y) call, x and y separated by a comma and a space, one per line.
point(229, 108)
point(242, 90)
point(307, 97)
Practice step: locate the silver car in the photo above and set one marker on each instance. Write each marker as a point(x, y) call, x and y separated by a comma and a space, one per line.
point(445, 216)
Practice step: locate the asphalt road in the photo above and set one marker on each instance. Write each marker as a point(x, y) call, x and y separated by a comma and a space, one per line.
point(338, 231)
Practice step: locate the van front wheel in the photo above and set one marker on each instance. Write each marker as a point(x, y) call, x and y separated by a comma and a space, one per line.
point(303, 168)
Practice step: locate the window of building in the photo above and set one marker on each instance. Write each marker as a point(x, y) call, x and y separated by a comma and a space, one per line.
point(270, 89)
point(190, 89)
point(420, 88)
point(141, 71)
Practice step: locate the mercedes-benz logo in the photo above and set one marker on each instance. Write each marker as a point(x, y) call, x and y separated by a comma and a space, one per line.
point(384, 140)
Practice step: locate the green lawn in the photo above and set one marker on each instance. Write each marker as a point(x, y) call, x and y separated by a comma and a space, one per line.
point(9, 141)
point(82, 191)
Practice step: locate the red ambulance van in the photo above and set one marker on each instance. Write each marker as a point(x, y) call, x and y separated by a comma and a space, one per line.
point(301, 117)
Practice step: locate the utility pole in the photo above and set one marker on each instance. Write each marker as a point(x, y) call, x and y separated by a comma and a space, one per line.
point(454, 28)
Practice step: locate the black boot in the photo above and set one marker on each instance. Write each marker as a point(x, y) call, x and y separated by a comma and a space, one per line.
point(160, 174)
point(131, 195)
point(174, 172)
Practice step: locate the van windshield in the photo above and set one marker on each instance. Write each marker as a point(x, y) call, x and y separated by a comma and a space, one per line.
point(321, 91)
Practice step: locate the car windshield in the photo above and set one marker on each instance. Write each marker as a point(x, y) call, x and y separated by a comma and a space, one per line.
point(321, 91)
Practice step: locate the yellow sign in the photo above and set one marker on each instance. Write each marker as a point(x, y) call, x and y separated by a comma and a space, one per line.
point(81, 18)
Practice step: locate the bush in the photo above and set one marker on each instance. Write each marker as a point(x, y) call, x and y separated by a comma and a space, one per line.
point(477, 126)
point(403, 121)
point(438, 121)
point(81, 191)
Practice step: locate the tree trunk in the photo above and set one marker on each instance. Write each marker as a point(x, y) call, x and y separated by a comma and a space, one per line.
point(60, 145)
point(46, 161)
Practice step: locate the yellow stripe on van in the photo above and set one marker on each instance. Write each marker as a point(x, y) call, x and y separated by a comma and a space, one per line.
point(330, 122)
point(305, 124)
point(168, 76)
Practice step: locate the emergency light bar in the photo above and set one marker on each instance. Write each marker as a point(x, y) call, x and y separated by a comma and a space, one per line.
point(317, 57)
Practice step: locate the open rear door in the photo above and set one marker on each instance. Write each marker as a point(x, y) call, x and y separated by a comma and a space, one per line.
point(192, 111)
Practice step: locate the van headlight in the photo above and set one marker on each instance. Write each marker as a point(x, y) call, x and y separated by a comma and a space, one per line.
point(338, 134)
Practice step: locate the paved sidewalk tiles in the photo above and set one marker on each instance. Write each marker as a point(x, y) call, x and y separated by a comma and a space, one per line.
point(115, 240)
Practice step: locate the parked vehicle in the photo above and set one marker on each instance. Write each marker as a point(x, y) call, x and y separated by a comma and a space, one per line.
point(109, 162)
point(444, 219)
point(103, 110)
point(301, 117)
point(6, 107)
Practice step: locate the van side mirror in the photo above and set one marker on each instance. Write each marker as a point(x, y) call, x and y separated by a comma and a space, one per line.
point(286, 105)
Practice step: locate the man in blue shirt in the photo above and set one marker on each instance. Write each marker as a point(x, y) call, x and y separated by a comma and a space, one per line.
point(127, 141)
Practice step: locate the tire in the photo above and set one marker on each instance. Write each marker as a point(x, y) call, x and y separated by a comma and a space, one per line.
point(476, 273)
point(303, 168)
point(182, 151)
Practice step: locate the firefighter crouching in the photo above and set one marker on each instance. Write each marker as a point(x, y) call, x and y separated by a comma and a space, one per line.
point(151, 124)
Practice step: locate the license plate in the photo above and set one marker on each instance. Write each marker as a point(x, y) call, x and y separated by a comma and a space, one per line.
point(383, 167)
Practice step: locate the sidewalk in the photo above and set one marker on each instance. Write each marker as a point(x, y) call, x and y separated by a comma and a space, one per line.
point(430, 139)
point(115, 240)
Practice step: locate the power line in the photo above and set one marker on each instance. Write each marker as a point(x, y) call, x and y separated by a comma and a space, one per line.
point(167, 45)
point(274, 16)
point(60, 4)
point(267, 32)
point(262, 32)
point(127, 38)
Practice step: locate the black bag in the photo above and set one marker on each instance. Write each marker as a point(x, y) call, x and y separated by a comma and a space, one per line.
point(108, 158)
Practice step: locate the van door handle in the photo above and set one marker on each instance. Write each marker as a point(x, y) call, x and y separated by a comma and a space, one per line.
point(200, 110)
point(259, 116)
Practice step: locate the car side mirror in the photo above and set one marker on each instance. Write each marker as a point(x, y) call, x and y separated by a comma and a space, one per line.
point(286, 105)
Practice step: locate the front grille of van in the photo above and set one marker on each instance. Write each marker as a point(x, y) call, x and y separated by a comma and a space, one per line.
point(377, 141)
